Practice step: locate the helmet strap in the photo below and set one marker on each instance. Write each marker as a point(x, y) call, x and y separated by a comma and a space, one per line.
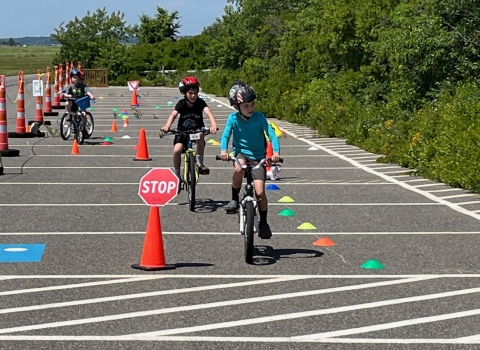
point(241, 114)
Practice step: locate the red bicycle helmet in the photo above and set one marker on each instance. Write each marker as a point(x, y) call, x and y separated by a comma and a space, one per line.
point(187, 83)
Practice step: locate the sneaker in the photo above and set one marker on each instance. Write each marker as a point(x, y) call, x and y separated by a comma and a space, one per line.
point(264, 231)
point(203, 170)
point(232, 206)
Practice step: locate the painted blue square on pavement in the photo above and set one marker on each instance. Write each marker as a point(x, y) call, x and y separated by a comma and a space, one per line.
point(10, 253)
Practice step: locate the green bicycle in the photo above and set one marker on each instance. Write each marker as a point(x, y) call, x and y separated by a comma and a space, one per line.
point(190, 176)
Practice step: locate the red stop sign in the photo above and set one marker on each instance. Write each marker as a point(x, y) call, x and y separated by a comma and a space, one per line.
point(158, 186)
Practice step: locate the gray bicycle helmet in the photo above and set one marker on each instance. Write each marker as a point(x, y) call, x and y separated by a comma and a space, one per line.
point(241, 92)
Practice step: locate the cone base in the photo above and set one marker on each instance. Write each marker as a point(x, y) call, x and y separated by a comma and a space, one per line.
point(50, 114)
point(58, 107)
point(24, 135)
point(139, 159)
point(154, 268)
point(10, 153)
point(1, 170)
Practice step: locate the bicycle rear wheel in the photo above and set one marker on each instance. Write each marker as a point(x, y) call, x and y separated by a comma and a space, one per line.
point(249, 221)
point(79, 129)
point(191, 181)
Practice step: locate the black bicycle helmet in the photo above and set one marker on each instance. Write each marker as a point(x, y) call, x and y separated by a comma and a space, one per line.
point(76, 72)
point(241, 92)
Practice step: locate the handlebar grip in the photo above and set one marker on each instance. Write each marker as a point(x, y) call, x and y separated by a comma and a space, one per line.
point(217, 157)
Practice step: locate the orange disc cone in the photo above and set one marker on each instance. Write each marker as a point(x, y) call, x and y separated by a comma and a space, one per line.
point(142, 150)
point(134, 99)
point(75, 149)
point(324, 242)
point(114, 126)
point(153, 254)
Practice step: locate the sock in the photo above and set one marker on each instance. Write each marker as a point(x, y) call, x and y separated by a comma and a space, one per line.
point(199, 160)
point(235, 192)
point(263, 217)
point(177, 172)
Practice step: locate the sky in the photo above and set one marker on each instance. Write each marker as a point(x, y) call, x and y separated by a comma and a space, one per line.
point(39, 18)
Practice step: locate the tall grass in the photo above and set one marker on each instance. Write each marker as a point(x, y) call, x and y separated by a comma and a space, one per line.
point(29, 59)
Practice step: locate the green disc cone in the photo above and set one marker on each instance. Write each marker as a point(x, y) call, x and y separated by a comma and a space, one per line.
point(120, 114)
point(90, 109)
point(372, 265)
point(286, 199)
point(287, 212)
point(108, 139)
point(115, 109)
point(306, 226)
point(158, 107)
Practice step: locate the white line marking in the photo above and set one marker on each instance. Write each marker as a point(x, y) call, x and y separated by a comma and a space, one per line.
point(146, 295)
point(176, 204)
point(303, 314)
point(444, 190)
point(153, 156)
point(384, 176)
point(380, 276)
point(222, 233)
point(415, 180)
point(123, 338)
point(379, 327)
point(460, 196)
point(149, 167)
point(201, 183)
point(472, 202)
point(429, 185)
point(77, 285)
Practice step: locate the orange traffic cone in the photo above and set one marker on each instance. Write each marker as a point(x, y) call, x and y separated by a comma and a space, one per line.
point(269, 154)
point(114, 126)
point(75, 149)
point(153, 254)
point(134, 99)
point(142, 150)
point(324, 242)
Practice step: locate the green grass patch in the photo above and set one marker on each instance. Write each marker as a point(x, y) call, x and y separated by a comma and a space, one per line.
point(29, 59)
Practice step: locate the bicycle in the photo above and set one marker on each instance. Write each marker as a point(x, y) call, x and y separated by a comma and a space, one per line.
point(190, 176)
point(73, 122)
point(247, 207)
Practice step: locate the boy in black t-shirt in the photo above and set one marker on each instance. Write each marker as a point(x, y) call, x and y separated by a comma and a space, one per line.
point(191, 110)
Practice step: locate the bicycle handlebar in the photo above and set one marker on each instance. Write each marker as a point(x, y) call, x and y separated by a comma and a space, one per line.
point(204, 130)
point(260, 163)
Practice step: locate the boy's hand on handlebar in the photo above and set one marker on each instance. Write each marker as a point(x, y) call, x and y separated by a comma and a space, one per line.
point(213, 129)
point(276, 158)
point(165, 128)
point(224, 156)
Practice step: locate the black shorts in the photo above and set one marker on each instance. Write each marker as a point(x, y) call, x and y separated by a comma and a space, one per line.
point(183, 139)
point(257, 174)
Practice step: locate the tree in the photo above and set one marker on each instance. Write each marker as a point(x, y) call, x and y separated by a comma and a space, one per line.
point(164, 26)
point(11, 42)
point(95, 40)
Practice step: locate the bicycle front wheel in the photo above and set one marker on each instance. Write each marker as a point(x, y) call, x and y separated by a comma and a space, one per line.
point(79, 130)
point(65, 127)
point(89, 126)
point(249, 221)
point(191, 181)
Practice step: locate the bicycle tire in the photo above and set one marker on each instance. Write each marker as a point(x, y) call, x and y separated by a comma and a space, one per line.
point(249, 221)
point(191, 181)
point(91, 123)
point(79, 129)
point(65, 130)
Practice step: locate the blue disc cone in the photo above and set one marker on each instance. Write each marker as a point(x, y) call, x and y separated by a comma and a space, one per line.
point(273, 187)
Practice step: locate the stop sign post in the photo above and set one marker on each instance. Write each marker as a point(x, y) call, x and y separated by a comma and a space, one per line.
point(158, 187)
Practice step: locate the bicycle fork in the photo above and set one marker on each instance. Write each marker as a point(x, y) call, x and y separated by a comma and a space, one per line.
point(242, 215)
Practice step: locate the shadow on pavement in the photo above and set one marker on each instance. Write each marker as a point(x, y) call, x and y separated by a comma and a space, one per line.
point(266, 255)
point(178, 265)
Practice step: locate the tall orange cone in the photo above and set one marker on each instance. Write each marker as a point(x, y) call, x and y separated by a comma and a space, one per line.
point(153, 254)
point(269, 154)
point(134, 102)
point(142, 150)
point(75, 149)
point(114, 126)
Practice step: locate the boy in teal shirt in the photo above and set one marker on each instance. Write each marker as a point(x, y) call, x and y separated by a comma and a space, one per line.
point(249, 145)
